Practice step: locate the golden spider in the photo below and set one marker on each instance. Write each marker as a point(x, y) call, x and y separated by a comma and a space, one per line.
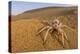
point(57, 26)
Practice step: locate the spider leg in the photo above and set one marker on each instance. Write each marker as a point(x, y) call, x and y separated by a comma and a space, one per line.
point(45, 37)
point(65, 36)
point(42, 29)
point(68, 27)
point(62, 34)
point(59, 41)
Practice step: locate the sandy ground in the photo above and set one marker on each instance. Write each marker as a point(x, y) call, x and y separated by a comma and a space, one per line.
point(24, 37)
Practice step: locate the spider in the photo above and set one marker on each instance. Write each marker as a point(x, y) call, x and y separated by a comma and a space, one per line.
point(57, 26)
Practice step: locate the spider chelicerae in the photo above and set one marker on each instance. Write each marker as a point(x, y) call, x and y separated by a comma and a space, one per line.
point(57, 26)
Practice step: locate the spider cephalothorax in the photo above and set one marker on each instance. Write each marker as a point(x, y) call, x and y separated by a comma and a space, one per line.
point(52, 26)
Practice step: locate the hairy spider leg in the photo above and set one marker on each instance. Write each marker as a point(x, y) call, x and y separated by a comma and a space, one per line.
point(65, 36)
point(62, 34)
point(59, 41)
point(45, 37)
point(68, 27)
point(42, 29)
